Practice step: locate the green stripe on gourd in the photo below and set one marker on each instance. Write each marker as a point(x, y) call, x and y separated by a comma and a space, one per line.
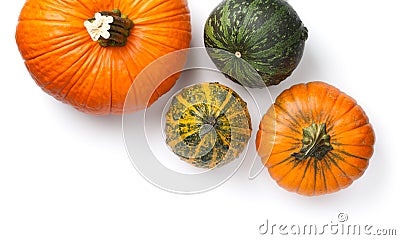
point(207, 125)
point(267, 34)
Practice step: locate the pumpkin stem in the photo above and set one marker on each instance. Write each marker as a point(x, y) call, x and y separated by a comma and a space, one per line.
point(211, 120)
point(316, 142)
point(209, 124)
point(109, 28)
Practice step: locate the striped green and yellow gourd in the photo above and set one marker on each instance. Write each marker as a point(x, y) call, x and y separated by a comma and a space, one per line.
point(207, 125)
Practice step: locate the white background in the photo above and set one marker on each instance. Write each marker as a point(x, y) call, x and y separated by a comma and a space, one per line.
point(67, 175)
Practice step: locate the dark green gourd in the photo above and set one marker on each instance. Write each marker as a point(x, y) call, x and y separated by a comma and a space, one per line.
point(207, 125)
point(267, 34)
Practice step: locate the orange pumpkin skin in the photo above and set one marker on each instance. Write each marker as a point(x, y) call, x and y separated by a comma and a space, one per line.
point(321, 163)
point(67, 64)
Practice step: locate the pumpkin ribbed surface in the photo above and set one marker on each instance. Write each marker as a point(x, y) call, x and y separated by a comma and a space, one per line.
point(315, 139)
point(207, 125)
point(95, 76)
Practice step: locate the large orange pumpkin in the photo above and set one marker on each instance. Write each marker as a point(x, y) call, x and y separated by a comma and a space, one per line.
point(94, 73)
point(315, 139)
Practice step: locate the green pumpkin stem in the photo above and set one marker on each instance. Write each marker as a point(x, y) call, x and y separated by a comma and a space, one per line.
point(316, 142)
point(209, 123)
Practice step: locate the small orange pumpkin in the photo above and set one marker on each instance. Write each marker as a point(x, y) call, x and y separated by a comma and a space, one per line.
point(315, 139)
point(86, 55)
